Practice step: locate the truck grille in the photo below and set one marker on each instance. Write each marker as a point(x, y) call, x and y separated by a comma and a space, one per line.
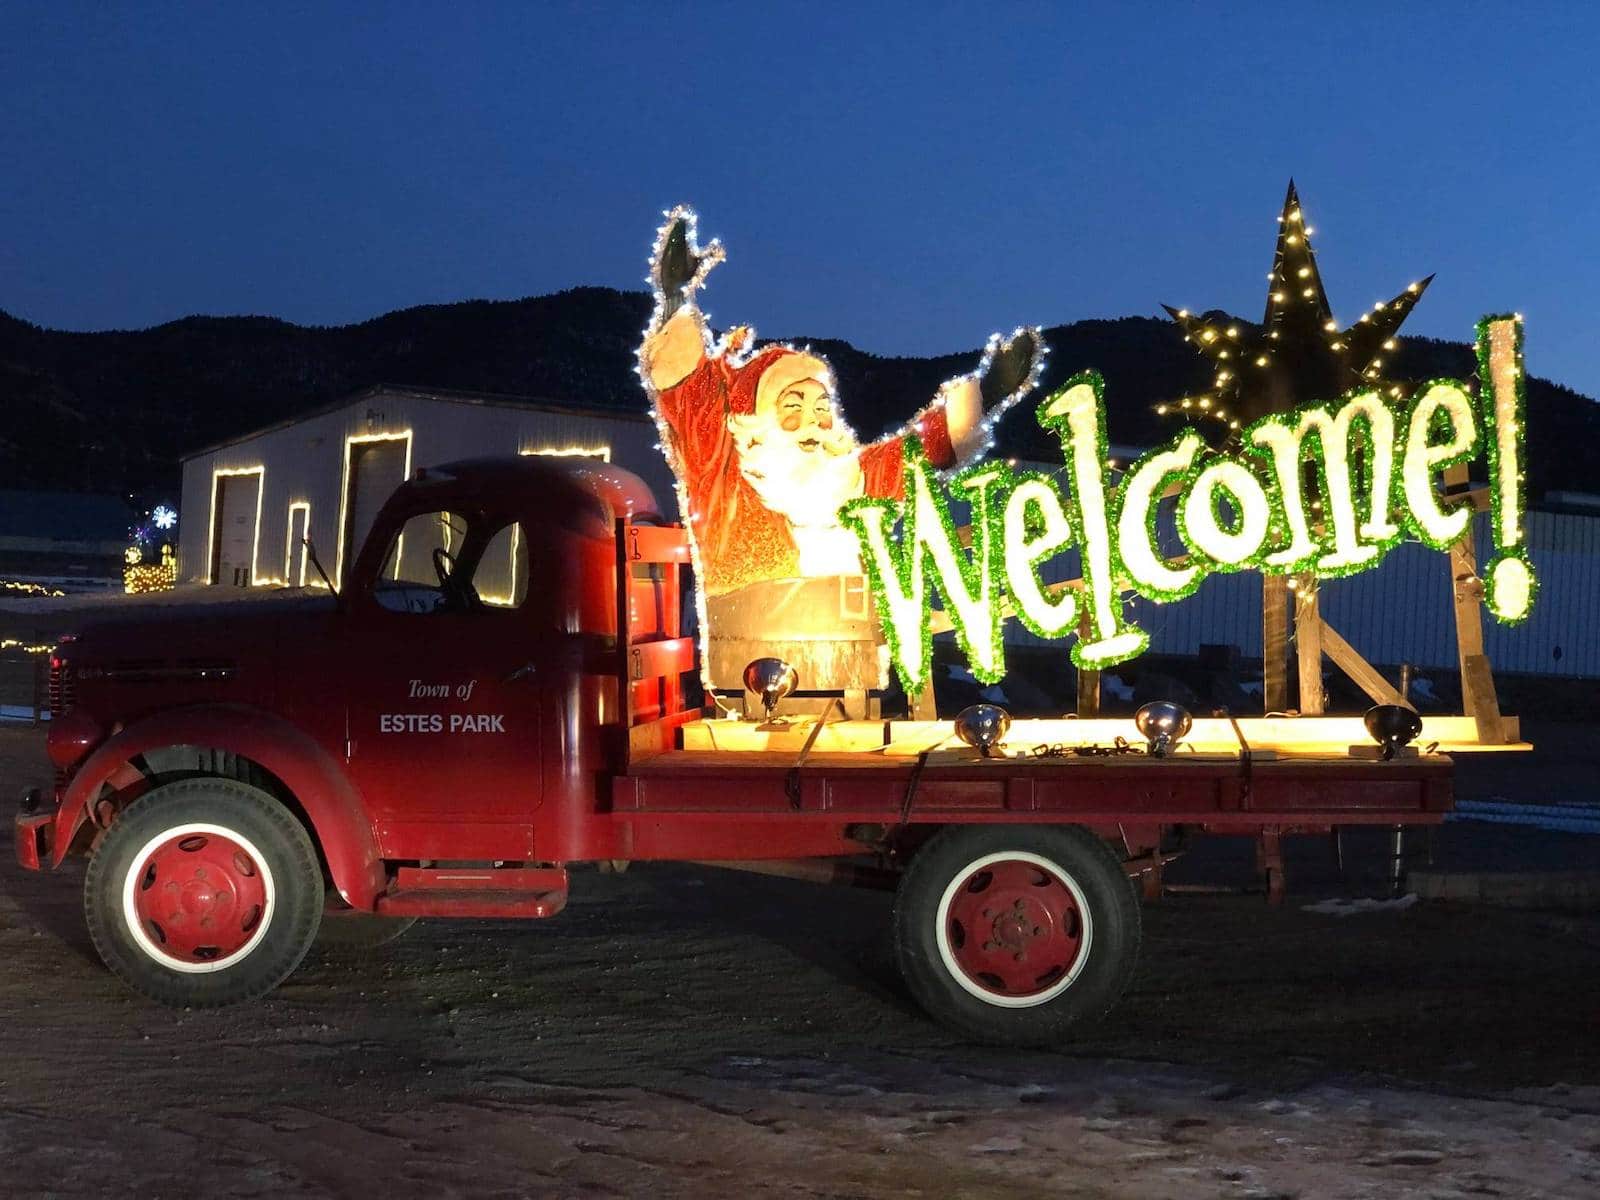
point(62, 694)
point(63, 687)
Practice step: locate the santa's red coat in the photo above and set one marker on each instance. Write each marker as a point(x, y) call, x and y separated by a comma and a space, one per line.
point(741, 540)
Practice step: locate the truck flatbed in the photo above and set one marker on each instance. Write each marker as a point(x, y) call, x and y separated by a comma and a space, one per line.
point(740, 792)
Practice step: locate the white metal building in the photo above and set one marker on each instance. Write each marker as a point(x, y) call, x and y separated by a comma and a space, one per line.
point(1404, 610)
point(247, 504)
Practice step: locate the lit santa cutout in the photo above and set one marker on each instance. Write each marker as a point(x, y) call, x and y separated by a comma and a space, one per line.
point(764, 460)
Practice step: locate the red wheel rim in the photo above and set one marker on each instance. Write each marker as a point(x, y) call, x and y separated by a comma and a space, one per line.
point(1014, 929)
point(199, 897)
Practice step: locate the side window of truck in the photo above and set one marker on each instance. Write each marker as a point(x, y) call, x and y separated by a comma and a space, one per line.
point(437, 565)
point(409, 580)
point(501, 579)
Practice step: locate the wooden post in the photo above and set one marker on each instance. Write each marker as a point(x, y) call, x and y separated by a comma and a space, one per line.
point(1269, 861)
point(1478, 698)
point(1308, 645)
point(1275, 643)
point(1088, 681)
point(1477, 682)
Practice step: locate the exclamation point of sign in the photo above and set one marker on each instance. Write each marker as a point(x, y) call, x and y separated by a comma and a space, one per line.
point(1509, 582)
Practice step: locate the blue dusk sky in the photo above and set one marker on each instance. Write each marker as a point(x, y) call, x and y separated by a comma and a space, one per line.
point(906, 177)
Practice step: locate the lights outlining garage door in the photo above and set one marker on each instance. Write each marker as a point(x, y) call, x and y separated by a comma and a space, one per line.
point(362, 439)
point(289, 544)
point(217, 475)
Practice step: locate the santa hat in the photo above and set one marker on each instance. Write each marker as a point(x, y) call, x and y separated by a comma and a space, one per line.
point(766, 376)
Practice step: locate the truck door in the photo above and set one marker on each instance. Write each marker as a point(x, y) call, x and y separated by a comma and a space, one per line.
point(444, 697)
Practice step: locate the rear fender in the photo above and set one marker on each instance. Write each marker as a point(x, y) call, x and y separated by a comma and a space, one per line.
point(338, 818)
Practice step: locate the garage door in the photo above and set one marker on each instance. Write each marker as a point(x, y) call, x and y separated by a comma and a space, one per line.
point(234, 535)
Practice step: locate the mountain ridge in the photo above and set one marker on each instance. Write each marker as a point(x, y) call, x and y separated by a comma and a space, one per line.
point(114, 410)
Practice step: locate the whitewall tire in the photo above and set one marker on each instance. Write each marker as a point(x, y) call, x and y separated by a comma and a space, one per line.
point(204, 892)
point(1015, 933)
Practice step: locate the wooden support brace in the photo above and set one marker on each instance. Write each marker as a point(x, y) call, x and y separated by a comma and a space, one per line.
point(1308, 646)
point(1484, 707)
point(1275, 643)
point(1478, 699)
point(1088, 681)
point(1365, 675)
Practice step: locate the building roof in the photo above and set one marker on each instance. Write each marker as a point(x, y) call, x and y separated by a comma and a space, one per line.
point(65, 516)
point(446, 395)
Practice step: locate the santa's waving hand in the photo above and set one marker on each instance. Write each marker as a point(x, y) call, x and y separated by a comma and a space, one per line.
point(762, 455)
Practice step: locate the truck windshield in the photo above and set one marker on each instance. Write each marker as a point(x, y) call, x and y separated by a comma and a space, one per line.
point(440, 562)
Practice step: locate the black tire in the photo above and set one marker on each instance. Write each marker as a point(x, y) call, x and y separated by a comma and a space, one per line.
point(1082, 987)
point(283, 866)
point(357, 932)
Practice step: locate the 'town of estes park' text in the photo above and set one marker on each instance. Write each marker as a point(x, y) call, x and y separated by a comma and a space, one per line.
point(438, 722)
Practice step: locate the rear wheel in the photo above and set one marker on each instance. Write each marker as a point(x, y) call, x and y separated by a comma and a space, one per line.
point(204, 892)
point(1013, 934)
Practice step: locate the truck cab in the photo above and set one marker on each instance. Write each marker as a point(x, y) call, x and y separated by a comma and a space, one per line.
point(459, 699)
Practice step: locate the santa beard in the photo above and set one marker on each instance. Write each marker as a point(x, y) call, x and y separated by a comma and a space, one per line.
point(808, 486)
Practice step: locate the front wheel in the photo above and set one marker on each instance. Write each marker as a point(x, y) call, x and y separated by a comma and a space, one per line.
point(204, 892)
point(1014, 933)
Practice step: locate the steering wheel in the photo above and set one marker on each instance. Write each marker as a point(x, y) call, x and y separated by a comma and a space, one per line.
point(443, 565)
point(454, 593)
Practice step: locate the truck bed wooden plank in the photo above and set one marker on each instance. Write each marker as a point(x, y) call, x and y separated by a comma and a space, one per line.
point(955, 785)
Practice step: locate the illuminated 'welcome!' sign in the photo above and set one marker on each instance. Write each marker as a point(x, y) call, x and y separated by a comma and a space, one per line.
point(1324, 489)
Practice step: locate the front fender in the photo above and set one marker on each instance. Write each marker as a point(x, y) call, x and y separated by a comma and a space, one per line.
point(339, 820)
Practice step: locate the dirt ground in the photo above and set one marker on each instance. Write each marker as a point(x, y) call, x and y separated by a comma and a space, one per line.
point(700, 1033)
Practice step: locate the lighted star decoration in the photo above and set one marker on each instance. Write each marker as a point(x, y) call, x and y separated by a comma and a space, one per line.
point(164, 517)
point(1298, 353)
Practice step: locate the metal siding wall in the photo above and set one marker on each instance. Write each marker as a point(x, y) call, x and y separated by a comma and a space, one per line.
point(1566, 556)
point(304, 462)
point(193, 512)
point(1403, 610)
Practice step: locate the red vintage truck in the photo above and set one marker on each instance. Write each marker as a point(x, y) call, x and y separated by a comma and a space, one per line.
point(495, 698)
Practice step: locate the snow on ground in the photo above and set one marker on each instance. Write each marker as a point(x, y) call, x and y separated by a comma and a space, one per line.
point(813, 1128)
point(1344, 907)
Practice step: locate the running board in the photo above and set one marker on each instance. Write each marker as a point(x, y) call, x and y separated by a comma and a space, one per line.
point(475, 892)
